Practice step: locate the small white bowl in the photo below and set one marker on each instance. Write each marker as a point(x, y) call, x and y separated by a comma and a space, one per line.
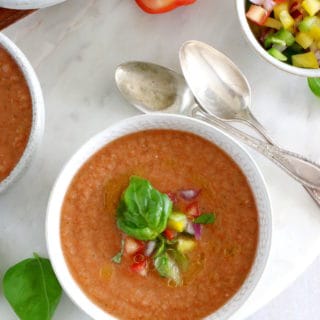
point(145, 122)
point(241, 9)
point(28, 4)
point(37, 111)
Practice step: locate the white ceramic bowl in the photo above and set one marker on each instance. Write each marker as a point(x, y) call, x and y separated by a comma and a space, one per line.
point(157, 121)
point(28, 4)
point(37, 111)
point(241, 4)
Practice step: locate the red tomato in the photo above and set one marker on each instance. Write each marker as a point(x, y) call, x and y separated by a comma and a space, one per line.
point(192, 210)
point(140, 267)
point(161, 6)
point(133, 246)
point(257, 14)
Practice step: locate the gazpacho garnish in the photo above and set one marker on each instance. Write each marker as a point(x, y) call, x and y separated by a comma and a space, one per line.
point(156, 231)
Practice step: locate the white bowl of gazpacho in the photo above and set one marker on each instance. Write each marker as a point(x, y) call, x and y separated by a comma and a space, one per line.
point(28, 4)
point(21, 110)
point(159, 217)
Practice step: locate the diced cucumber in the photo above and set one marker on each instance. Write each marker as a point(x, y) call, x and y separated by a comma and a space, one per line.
point(277, 54)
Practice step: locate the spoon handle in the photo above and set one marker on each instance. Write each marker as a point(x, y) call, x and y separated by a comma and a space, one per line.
point(297, 166)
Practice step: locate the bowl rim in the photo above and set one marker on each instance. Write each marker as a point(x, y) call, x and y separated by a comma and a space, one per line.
point(304, 72)
point(55, 202)
point(38, 113)
point(28, 4)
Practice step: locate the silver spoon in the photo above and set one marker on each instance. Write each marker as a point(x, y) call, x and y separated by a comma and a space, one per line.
point(142, 83)
point(222, 90)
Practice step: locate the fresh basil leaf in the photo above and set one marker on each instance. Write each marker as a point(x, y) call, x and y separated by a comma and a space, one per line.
point(314, 85)
point(205, 218)
point(181, 259)
point(118, 257)
point(168, 267)
point(32, 289)
point(143, 211)
point(161, 246)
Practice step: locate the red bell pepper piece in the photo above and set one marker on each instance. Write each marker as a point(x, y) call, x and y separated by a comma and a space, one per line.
point(161, 6)
point(169, 234)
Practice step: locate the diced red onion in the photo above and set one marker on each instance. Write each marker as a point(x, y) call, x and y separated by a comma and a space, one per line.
point(258, 2)
point(151, 245)
point(268, 4)
point(197, 230)
point(189, 194)
point(317, 54)
point(189, 228)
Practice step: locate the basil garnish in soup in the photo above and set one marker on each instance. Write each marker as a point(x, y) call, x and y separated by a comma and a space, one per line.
point(205, 218)
point(32, 289)
point(143, 211)
point(168, 267)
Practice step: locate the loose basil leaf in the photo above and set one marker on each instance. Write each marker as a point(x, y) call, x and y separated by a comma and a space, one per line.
point(168, 268)
point(32, 289)
point(118, 257)
point(205, 218)
point(314, 85)
point(161, 246)
point(143, 211)
point(181, 259)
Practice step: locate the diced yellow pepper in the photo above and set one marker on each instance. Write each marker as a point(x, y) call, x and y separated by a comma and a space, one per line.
point(311, 6)
point(177, 221)
point(286, 19)
point(185, 244)
point(318, 44)
point(304, 39)
point(314, 32)
point(305, 60)
point(273, 23)
point(284, 6)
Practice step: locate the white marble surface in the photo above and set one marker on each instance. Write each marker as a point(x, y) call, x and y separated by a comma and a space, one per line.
point(75, 47)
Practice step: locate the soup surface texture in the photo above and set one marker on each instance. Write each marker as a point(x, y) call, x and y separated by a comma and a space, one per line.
point(15, 113)
point(171, 160)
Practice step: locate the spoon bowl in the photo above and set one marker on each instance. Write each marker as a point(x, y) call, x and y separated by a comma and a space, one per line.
point(153, 88)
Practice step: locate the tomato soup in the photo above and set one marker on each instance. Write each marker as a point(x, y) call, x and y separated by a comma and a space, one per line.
point(15, 113)
point(170, 160)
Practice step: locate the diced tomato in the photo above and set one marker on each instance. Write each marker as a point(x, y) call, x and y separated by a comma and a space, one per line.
point(140, 267)
point(192, 210)
point(297, 15)
point(294, 6)
point(169, 234)
point(279, 1)
point(172, 196)
point(133, 246)
point(257, 14)
point(161, 6)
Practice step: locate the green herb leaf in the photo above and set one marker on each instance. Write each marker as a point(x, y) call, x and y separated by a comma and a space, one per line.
point(181, 259)
point(143, 211)
point(32, 289)
point(168, 267)
point(118, 257)
point(314, 85)
point(205, 218)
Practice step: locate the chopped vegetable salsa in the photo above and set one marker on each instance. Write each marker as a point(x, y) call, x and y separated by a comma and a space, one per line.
point(288, 29)
point(158, 232)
